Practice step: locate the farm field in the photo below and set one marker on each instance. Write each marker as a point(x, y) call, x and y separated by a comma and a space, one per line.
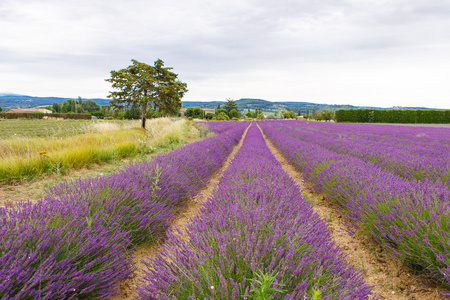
point(74, 144)
point(268, 210)
point(76, 242)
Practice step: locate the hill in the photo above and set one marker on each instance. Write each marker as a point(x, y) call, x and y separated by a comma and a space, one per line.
point(268, 106)
point(8, 101)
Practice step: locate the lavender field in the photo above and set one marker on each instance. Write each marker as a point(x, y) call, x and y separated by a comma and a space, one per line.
point(392, 181)
point(257, 236)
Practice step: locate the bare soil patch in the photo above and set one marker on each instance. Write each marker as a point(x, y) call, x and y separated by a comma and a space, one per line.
point(127, 288)
point(390, 279)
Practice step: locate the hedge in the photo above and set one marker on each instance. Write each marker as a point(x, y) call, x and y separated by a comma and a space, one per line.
point(393, 116)
point(40, 115)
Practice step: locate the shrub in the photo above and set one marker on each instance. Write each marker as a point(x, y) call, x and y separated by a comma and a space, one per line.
point(194, 112)
point(234, 113)
point(223, 116)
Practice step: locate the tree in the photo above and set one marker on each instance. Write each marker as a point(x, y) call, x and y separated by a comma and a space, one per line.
point(234, 113)
point(327, 115)
point(194, 112)
point(292, 115)
point(90, 106)
point(133, 113)
point(1, 109)
point(249, 114)
point(299, 114)
point(307, 113)
point(154, 87)
point(230, 105)
point(220, 110)
point(222, 116)
point(260, 116)
point(71, 105)
point(56, 107)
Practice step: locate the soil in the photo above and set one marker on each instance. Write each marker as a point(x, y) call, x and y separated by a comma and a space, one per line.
point(390, 279)
point(127, 289)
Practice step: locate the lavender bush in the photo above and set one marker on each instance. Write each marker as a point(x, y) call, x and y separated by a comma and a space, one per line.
point(423, 155)
point(76, 242)
point(408, 217)
point(256, 238)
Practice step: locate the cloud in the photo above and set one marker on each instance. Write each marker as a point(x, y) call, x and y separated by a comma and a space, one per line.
point(353, 51)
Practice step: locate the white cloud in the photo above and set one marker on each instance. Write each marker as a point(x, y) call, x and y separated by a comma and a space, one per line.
point(380, 53)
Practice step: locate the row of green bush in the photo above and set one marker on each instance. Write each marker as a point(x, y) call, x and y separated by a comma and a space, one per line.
point(393, 116)
point(40, 115)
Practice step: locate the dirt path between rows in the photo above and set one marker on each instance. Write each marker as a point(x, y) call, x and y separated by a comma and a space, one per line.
point(390, 278)
point(127, 288)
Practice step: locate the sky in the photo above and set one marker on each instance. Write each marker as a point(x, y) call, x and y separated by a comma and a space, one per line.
point(360, 52)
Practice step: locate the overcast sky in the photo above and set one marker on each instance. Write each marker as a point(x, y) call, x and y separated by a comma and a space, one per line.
point(370, 53)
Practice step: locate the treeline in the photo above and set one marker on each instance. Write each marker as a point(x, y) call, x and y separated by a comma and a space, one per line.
point(40, 115)
point(393, 116)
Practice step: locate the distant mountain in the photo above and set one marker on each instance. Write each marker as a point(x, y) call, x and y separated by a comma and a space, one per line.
point(8, 101)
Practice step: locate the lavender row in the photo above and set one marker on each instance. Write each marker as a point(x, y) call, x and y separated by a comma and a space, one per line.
point(77, 241)
point(413, 160)
point(256, 232)
point(217, 126)
point(410, 218)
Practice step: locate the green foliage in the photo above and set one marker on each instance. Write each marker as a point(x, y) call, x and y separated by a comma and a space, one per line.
point(72, 105)
point(289, 115)
point(1, 109)
point(222, 116)
point(90, 106)
point(393, 116)
point(220, 110)
point(292, 115)
point(153, 87)
point(74, 116)
point(98, 114)
point(153, 114)
point(194, 112)
point(209, 116)
point(133, 113)
point(260, 117)
point(230, 105)
point(234, 113)
point(325, 115)
point(257, 112)
point(264, 286)
point(30, 115)
point(56, 107)
point(249, 114)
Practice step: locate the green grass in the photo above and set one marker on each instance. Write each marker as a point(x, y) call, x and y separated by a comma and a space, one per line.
point(30, 156)
point(27, 128)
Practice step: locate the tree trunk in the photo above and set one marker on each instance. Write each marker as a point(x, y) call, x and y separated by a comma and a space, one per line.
point(144, 114)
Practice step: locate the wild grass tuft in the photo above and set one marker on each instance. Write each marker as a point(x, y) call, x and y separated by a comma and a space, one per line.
point(29, 157)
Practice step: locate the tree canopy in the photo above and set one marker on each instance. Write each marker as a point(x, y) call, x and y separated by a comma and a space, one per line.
point(230, 105)
point(90, 106)
point(149, 87)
